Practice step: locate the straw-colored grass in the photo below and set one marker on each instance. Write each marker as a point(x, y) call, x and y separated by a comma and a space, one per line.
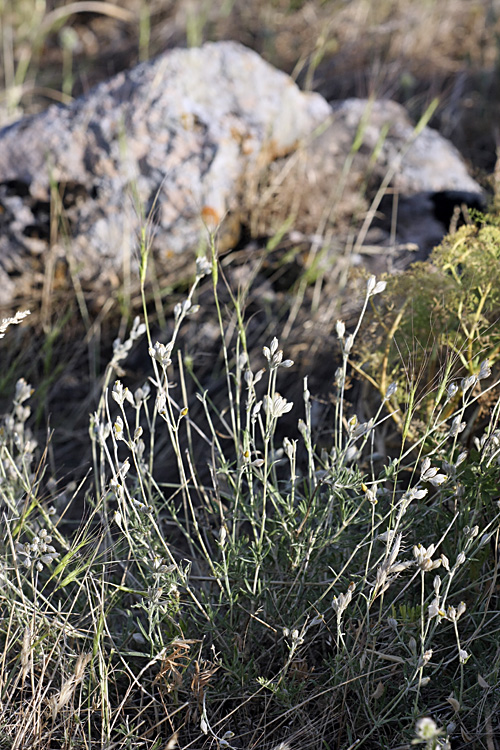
point(236, 569)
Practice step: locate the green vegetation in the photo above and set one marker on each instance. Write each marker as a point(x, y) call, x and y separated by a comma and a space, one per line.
point(438, 321)
point(217, 579)
point(291, 598)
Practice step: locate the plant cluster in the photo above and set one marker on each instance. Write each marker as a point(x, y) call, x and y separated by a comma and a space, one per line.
point(296, 593)
point(339, 601)
point(437, 323)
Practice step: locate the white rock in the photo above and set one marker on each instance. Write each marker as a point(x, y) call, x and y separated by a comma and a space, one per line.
point(171, 139)
point(190, 137)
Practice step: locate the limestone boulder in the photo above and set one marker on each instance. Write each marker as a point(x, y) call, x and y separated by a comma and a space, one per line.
point(426, 162)
point(192, 138)
point(364, 146)
point(164, 145)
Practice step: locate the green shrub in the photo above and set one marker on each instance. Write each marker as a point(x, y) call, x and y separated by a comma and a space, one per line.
point(437, 322)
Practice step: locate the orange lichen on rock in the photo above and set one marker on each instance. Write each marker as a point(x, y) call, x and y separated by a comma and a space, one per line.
point(211, 218)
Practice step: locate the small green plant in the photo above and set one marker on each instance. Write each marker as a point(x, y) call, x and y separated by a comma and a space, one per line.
point(438, 322)
point(296, 581)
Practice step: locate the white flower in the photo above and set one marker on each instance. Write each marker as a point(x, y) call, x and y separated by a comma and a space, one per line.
point(340, 602)
point(434, 609)
point(123, 469)
point(426, 729)
point(374, 287)
point(276, 405)
point(184, 308)
point(275, 356)
point(414, 493)
point(307, 392)
point(423, 557)
point(121, 394)
point(456, 427)
point(39, 552)
point(466, 383)
point(255, 411)
point(485, 370)
point(394, 549)
point(101, 431)
point(425, 658)
point(118, 429)
point(257, 463)
point(425, 467)
point(370, 284)
point(348, 343)
point(161, 404)
point(203, 267)
point(370, 494)
point(270, 351)
point(386, 536)
point(161, 353)
point(141, 394)
point(6, 322)
point(290, 447)
point(390, 391)
point(352, 423)
point(251, 379)
point(430, 474)
point(138, 329)
point(438, 479)
point(23, 391)
point(463, 656)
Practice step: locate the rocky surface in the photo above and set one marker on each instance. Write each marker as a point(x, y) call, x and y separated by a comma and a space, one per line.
point(170, 139)
point(194, 137)
point(424, 176)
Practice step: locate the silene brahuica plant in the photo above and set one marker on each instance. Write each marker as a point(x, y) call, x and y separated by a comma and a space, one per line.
point(259, 591)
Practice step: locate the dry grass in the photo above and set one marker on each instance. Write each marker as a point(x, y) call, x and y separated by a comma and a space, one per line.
point(223, 577)
point(408, 51)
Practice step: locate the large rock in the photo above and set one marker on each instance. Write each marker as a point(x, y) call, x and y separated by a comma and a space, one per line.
point(170, 140)
point(365, 145)
point(429, 180)
point(426, 162)
point(194, 136)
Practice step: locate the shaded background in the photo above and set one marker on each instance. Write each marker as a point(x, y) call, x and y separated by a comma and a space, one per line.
point(399, 49)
